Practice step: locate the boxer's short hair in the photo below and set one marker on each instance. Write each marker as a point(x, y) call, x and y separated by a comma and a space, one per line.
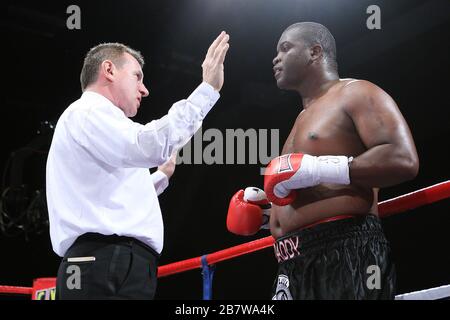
point(314, 33)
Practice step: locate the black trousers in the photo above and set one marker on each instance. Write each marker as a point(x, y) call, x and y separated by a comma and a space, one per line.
point(107, 267)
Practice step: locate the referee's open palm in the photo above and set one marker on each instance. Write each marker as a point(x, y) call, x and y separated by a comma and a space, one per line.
point(213, 63)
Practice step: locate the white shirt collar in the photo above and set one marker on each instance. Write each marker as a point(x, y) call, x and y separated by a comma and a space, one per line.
point(99, 98)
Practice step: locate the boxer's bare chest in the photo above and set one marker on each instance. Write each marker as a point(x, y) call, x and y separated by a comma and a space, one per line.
point(324, 128)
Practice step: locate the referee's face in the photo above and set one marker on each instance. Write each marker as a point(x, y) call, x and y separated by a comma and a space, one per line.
point(129, 87)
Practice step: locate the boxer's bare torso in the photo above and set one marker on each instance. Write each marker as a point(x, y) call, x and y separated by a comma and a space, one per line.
point(324, 128)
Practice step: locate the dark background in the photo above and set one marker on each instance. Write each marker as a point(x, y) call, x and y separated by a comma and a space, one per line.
point(42, 59)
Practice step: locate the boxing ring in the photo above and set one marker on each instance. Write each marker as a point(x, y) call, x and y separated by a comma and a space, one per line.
point(44, 288)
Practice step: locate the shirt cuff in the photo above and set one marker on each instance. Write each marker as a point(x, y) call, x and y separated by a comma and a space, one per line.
point(204, 96)
point(160, 181)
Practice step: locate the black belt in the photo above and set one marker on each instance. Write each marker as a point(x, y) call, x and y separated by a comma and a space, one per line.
point(114, 239)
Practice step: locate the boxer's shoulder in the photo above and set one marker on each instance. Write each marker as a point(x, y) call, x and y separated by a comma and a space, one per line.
point(359, 87)
point(347, 91)
point(359, 94)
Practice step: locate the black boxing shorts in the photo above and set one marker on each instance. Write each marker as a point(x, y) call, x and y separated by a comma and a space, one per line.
point(343, 259)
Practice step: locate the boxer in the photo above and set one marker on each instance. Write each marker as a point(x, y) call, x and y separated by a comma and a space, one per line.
point(349, 140)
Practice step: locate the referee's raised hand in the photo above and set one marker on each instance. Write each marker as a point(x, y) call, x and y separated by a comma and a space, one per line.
point(213, 63)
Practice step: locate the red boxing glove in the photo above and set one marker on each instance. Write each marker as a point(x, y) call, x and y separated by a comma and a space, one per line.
point(292, 171)
point(249, 211)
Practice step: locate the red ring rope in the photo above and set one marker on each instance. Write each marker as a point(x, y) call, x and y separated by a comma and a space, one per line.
point(386, 208)
point(15, 290)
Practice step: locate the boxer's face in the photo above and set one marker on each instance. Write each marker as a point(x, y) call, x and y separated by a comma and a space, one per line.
point(129, 88)
point(291, 63)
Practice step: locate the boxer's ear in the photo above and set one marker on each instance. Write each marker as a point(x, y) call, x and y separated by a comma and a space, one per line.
point(316, 52)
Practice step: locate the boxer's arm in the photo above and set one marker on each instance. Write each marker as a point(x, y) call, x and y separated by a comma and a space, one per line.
point(391, 155)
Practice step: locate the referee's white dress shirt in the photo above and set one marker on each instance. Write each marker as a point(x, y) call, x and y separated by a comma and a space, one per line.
point(98, 177)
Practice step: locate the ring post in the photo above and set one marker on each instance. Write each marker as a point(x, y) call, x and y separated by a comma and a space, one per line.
point(207, 273)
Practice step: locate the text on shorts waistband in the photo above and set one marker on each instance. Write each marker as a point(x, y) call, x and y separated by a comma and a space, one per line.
point(289, 247)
